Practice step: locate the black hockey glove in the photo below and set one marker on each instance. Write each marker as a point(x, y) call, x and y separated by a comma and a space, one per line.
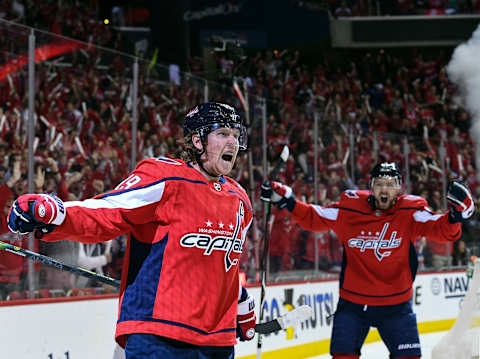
point(279, 194)
point(461, 203)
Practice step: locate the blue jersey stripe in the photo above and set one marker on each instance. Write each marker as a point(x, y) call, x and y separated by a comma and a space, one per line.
point(377, 296)
point(145, 267)
point(169, 322)
point(243, 199)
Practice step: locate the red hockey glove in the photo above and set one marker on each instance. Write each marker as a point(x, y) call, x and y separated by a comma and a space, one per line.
point(32, 212)
point(460, 201)
point(246, 318)
point(279, 194)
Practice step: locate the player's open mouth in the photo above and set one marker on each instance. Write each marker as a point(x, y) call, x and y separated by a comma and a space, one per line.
point(384, 199)
point(227, 157)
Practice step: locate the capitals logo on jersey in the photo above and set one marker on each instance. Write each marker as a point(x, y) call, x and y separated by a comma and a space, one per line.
point(230, 240)
point(377, 242)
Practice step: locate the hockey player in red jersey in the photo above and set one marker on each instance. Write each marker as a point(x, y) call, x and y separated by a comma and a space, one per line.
point(377, 230)
point(180, 295)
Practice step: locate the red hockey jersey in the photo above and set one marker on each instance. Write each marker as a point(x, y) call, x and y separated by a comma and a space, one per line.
point(180, 276)
point(380, 261)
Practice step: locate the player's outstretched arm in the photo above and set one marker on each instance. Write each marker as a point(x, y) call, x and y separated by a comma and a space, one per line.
point(446, 227)
point(309, 217)
point(136, 200)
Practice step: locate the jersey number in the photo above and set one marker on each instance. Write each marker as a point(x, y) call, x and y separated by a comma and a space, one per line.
point(129, 182)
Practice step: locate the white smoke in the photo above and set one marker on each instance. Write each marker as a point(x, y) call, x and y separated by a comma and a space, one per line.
point(464, 71)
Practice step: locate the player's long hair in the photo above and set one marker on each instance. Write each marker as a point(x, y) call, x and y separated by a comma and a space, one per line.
point(187, 151)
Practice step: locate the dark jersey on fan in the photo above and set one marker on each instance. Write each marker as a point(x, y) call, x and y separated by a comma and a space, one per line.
point(183, 230)
point(380, 261)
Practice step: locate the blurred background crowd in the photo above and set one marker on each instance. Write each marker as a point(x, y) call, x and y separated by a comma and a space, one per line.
point(372, 105)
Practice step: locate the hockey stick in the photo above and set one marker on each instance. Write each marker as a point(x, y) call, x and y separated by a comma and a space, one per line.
point(58, 265)
point(266, 237)
point(291, 318)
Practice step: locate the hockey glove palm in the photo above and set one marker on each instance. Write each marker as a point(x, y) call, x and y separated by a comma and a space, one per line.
point(460, 201)
point(36, 212)
point(246, 318)
point(279, 194)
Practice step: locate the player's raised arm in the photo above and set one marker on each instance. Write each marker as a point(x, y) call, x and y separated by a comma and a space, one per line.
point(447, 227)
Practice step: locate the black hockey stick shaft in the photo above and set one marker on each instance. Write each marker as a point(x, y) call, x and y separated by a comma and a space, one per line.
point(266, 240)
point(263, 269)
point(58, 265)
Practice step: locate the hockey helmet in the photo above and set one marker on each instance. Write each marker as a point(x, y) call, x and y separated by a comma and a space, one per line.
point(386, 170)
point(207, 117)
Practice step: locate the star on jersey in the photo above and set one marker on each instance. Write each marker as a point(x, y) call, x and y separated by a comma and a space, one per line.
point(208, 223)
point(221, 225)
point(377, 242)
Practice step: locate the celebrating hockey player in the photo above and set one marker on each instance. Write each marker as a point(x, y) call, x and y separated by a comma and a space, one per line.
point(377, 229)
point(187, 222)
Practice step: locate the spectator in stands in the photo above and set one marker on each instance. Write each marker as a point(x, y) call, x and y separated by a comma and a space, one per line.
point(460, 255)
point(94, 256)
point(283, 230)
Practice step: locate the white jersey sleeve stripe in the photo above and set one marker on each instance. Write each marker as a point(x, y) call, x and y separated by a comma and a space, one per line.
point(138, 197)
point(131, 198)
point(425, 216)
point(325, 212)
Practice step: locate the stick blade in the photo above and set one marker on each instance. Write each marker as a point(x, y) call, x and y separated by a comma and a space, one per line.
point(285, 321)
point(295, 316)
point(269, 327)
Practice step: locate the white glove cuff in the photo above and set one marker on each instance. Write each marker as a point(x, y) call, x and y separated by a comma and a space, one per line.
point(246, 306)
point(469, 211)
point(277, 197)
point(58, 209)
